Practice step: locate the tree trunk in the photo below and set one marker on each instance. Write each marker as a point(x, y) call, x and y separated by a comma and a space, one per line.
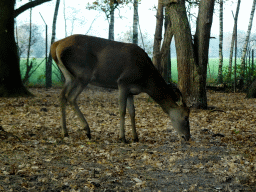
point(28, 65)
point(233, 39)
point(10, 78)
point(135, 22)
point(251, 93)
point(220, 79)
point(201, 47)
point(158, 37)
point(184, 48)
point(111, 22)
point(192, 58)
point(49, 62)
point(247, 39)
point(253, 63)
point(165, 49)
point(65, 20)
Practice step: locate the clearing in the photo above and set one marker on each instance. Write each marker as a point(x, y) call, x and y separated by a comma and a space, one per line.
point(35, 157)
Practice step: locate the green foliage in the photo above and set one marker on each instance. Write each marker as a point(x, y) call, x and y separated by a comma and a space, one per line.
point(249, 74)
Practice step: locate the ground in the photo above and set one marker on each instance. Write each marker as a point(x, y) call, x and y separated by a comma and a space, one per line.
point(35, 157)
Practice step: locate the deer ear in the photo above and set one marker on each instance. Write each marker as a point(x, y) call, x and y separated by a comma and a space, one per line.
point(180, 101)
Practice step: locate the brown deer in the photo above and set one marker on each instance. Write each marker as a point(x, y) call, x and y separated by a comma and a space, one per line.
point(85, 59)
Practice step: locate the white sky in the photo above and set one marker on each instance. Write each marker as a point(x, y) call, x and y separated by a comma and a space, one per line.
point(146, 17)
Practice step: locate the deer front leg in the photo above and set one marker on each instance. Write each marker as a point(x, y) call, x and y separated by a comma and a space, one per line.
point(131, 109)
point(122, 109)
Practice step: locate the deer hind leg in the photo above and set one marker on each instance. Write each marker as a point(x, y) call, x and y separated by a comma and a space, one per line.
point(123, 94)
point(77, 88)
point(63, 104)
point(131, 110)
point(64, 98)
point(64, 95)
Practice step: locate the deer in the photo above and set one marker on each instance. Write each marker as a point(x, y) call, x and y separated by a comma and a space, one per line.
point(92, 60)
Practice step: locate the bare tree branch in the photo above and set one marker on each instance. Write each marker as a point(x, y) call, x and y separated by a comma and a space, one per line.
point(28, 6)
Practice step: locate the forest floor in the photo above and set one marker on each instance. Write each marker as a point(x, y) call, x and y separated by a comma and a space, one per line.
point(221, 156)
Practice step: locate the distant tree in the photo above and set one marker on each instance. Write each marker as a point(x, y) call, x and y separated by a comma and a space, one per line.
point(10, 77)
point(113, 4)
point(220, 43)
point(23, 38)
point(49, 62)
point(29, 65)
point(39, 47)
point(146, 44)
point(72, 16)
point(247, 38)
point(108, 7)
point(234, 35)
point(158, 37)
point(135, 21)
point(65, 20)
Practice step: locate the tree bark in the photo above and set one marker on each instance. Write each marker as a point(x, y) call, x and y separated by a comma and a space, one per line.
point(192, 58)
point(135, 22)
point(201, 47)
point(10, 78)
point(233, 38)
point(184, 48)
point(247, 39)
point(220, 79)
point(158, 37)
point(111, 25)
point(49, 62)
point(165, 49)
point(235, 73)
point(111, 22)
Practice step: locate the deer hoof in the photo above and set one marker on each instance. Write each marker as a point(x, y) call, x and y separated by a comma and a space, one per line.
point(123, 140)
point(89, 135)
point(136, 140)
point(65, 135)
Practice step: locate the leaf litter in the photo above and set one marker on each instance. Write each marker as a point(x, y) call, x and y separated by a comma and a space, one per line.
point(35, 157)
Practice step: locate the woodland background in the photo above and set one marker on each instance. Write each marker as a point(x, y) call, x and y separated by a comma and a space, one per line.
point(74, 19)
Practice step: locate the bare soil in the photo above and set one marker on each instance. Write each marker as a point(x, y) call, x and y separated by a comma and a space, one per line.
point(35, 157)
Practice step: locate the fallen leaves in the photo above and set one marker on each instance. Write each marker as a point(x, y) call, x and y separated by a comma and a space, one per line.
point(221, 154)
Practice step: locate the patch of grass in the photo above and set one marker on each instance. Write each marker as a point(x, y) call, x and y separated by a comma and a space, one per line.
point(37, 78)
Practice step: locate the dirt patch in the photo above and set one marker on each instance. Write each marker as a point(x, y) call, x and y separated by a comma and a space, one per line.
point(35, 157)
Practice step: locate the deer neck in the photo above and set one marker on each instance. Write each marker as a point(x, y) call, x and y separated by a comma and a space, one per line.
point(161, 94)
